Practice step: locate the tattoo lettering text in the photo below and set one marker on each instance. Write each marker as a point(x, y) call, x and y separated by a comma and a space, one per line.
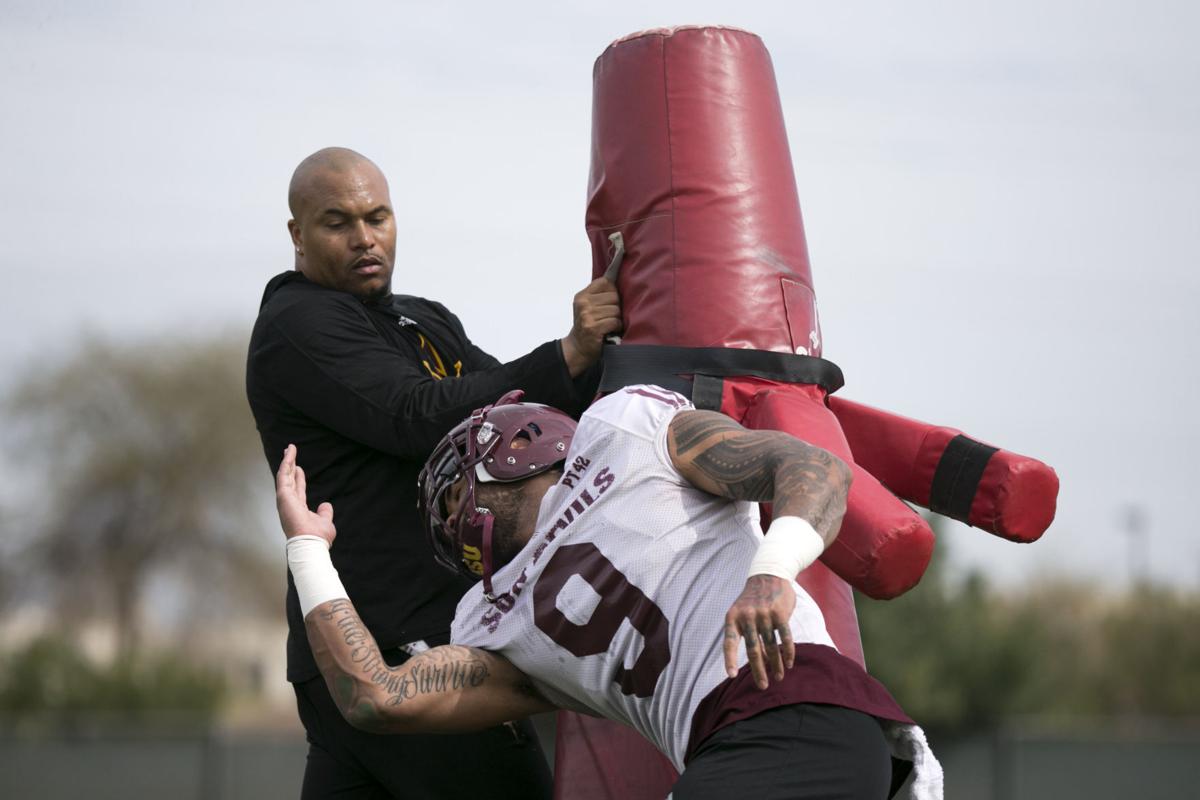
point(362, 681)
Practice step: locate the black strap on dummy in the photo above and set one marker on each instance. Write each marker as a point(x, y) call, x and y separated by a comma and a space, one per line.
point(705, 367)
point(957, 477)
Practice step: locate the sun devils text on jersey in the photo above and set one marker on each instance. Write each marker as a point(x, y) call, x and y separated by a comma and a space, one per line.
point(616, 605)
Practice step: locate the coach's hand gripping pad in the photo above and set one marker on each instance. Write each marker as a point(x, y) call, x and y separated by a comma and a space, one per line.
point(1010, 495)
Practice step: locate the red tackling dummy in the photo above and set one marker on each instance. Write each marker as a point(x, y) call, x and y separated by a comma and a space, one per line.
point(691, 166)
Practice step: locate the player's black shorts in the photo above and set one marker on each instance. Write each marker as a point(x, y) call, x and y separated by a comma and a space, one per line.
point(792, 752)
point(505, 763)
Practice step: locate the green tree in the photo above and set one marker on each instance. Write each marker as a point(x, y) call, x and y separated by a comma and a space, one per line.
point(51, 678)
point(1151, 653)
point(959, 654)
point(151, 464)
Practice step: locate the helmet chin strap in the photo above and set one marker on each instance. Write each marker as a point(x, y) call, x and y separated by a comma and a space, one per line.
point(488, 519)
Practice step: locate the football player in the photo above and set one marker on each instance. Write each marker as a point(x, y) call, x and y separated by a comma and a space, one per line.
point(622, 573)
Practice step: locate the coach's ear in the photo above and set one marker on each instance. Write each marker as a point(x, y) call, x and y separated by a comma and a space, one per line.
point(297, 237)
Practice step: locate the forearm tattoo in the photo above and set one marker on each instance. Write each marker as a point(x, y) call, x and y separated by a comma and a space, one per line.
point(362, 683)
point(762, 466)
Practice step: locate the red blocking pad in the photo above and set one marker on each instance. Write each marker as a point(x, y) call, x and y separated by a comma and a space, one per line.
point(883, 547)
point(941, 468)
point(597, 759)
point(691, 164)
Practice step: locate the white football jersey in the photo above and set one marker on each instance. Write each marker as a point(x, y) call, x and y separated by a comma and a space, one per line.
point(616, 605)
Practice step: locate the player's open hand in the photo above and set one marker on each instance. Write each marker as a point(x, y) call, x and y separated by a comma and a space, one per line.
point(292, 503)
point(597, 313)
point(760, 616)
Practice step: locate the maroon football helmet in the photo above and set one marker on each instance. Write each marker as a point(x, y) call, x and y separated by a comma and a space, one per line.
point(507, 441)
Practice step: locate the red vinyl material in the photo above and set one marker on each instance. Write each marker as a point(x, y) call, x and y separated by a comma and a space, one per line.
point(690, 162)
point(883, 547)
point(597, 759)
point(1016, 496)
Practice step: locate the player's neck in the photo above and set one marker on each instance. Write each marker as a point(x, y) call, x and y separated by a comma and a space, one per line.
point(532, 502)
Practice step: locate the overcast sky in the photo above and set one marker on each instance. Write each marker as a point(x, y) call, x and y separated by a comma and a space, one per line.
point(1002, 201)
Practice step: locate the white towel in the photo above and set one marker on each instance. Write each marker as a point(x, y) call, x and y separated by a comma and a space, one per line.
point(908, 743)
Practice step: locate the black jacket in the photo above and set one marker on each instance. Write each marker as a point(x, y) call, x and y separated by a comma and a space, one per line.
point(345, 381)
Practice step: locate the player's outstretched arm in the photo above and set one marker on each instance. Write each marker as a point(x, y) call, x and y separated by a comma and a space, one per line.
point(807, 487)
point(443, 690)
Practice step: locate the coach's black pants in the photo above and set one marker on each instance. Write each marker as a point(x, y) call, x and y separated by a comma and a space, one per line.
point(348, 764)
point(798, 752)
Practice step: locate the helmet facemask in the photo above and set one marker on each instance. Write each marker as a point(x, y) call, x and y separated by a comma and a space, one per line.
point(505, 443)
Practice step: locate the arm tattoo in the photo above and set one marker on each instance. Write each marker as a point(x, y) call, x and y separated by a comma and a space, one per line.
point(361, 681)
point(722, 457)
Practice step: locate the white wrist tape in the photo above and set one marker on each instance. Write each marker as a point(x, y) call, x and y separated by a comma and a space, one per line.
point(790, 545)
point(312, 570)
